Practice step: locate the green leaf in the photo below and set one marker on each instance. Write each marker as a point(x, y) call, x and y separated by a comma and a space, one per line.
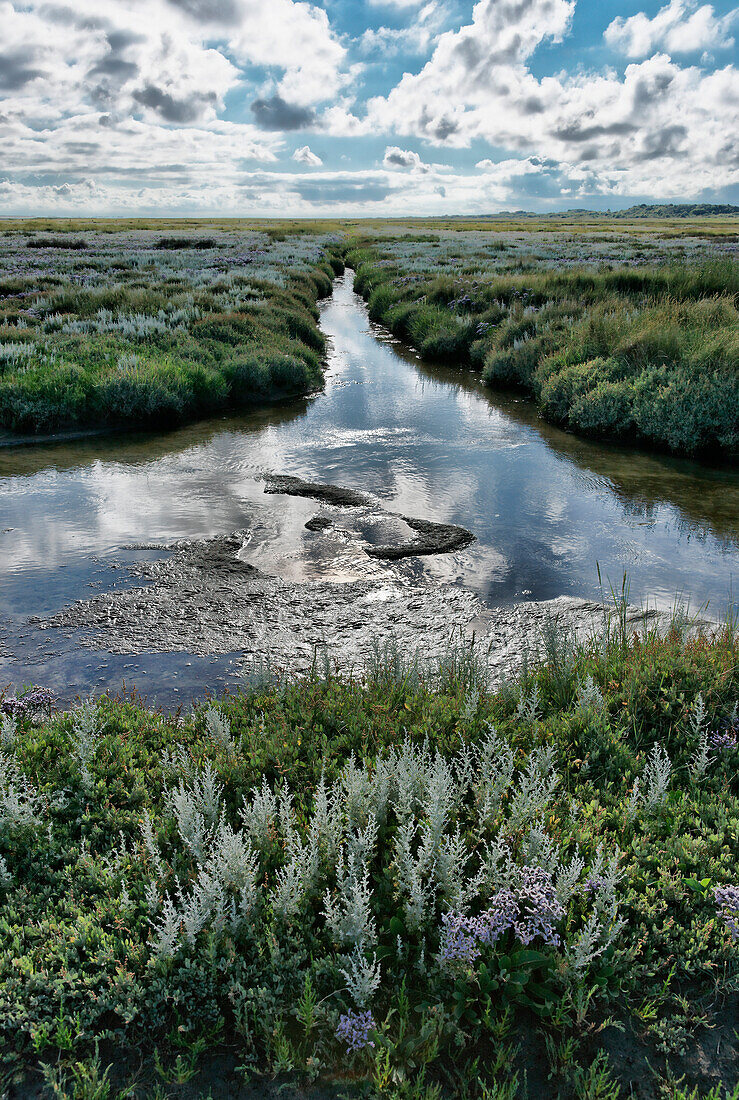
point(396, 927)
point(529, 957)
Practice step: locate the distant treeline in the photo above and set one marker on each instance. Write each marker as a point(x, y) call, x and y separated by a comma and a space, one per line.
point(643, 210)
point(676, 210)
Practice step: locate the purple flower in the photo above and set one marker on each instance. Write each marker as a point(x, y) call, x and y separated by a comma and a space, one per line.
point(530, 908)
point(33, 700)
point(12, 706)
point(459, 944)
point(538, 905)
point(354, 1030)
point(722, 739)
point(39, 698)
point(727, 903)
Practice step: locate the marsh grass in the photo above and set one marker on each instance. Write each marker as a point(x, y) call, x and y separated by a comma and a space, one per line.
point(620, 327)
point(615, 347)
point(135, 329)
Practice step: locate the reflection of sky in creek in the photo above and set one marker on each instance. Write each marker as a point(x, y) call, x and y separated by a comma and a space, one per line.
point(426, 441)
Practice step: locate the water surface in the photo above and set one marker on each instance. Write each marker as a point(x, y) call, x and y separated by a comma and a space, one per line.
point(430, 442)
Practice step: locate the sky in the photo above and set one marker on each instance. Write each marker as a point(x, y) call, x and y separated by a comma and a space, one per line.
point(364, 107)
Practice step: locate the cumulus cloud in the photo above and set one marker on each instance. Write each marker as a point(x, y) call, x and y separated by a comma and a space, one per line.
point(658, 128)
point(15, 73)
point(305, 155)
point(416, 38)
point(679, 27)
point(542, 178)
point(61, 60)
point(223, 12)
point(472, 67)
point(276, 113)
point(140, 104)
point(403, 158)
point(171, 108)
point(296, 37)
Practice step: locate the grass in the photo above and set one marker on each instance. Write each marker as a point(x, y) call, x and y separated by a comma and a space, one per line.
point(620, 328)
point(614, 338)
point(139, 328)
point(147, 906)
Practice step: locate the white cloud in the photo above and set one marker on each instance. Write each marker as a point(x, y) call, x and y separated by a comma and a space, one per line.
point(57, 60)
point(403, 158)
point(422, 30)
point(123, 106)
point(298, 38)
point(679, 27)
point(471, 68)
point(290, 35)
point(658, 129)
point(305, 155)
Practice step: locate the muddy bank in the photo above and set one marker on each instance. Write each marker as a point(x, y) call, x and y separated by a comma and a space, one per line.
point(203, 598)
point(319, 523)
point(435, 538)
point(329, 494)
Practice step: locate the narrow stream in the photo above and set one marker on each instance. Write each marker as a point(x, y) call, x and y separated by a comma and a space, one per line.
point(430, 442)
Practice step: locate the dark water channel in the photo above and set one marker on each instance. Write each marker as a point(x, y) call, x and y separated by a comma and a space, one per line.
point(430, 442)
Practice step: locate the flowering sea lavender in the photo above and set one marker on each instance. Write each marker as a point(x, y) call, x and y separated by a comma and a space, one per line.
point(529, 908)
point(722, 739)
point(727, 903)
point(32, 701)
point(39, 698)
point(13, 707)
point(354, 1029)
point(539, 909)
point(459, 944)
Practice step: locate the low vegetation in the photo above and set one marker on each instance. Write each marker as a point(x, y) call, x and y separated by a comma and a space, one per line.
point(614, 337)
point(402, 886)
point(620, 328)
point(140, 328)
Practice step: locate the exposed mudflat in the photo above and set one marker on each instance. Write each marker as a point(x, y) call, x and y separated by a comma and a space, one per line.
point(330, 494)
point(203, 598)
point(434, 538)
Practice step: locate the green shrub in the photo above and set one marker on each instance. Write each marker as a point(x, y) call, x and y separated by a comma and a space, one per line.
point(160, 890)
point(159, 339)
point(649, 353)
point(604, 410)
point(563, 385)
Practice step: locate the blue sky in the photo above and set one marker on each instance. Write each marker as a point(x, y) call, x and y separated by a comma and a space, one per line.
point(364, 107)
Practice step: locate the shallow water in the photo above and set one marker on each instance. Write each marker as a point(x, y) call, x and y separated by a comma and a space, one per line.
point(430, 442)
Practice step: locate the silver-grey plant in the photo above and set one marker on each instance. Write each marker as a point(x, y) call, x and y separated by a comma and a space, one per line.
point(657, 775)
point(362, 976)
point(701, 758)
point(8, 731)
point(218, 728)
point(84, 739)
point(19, 800)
